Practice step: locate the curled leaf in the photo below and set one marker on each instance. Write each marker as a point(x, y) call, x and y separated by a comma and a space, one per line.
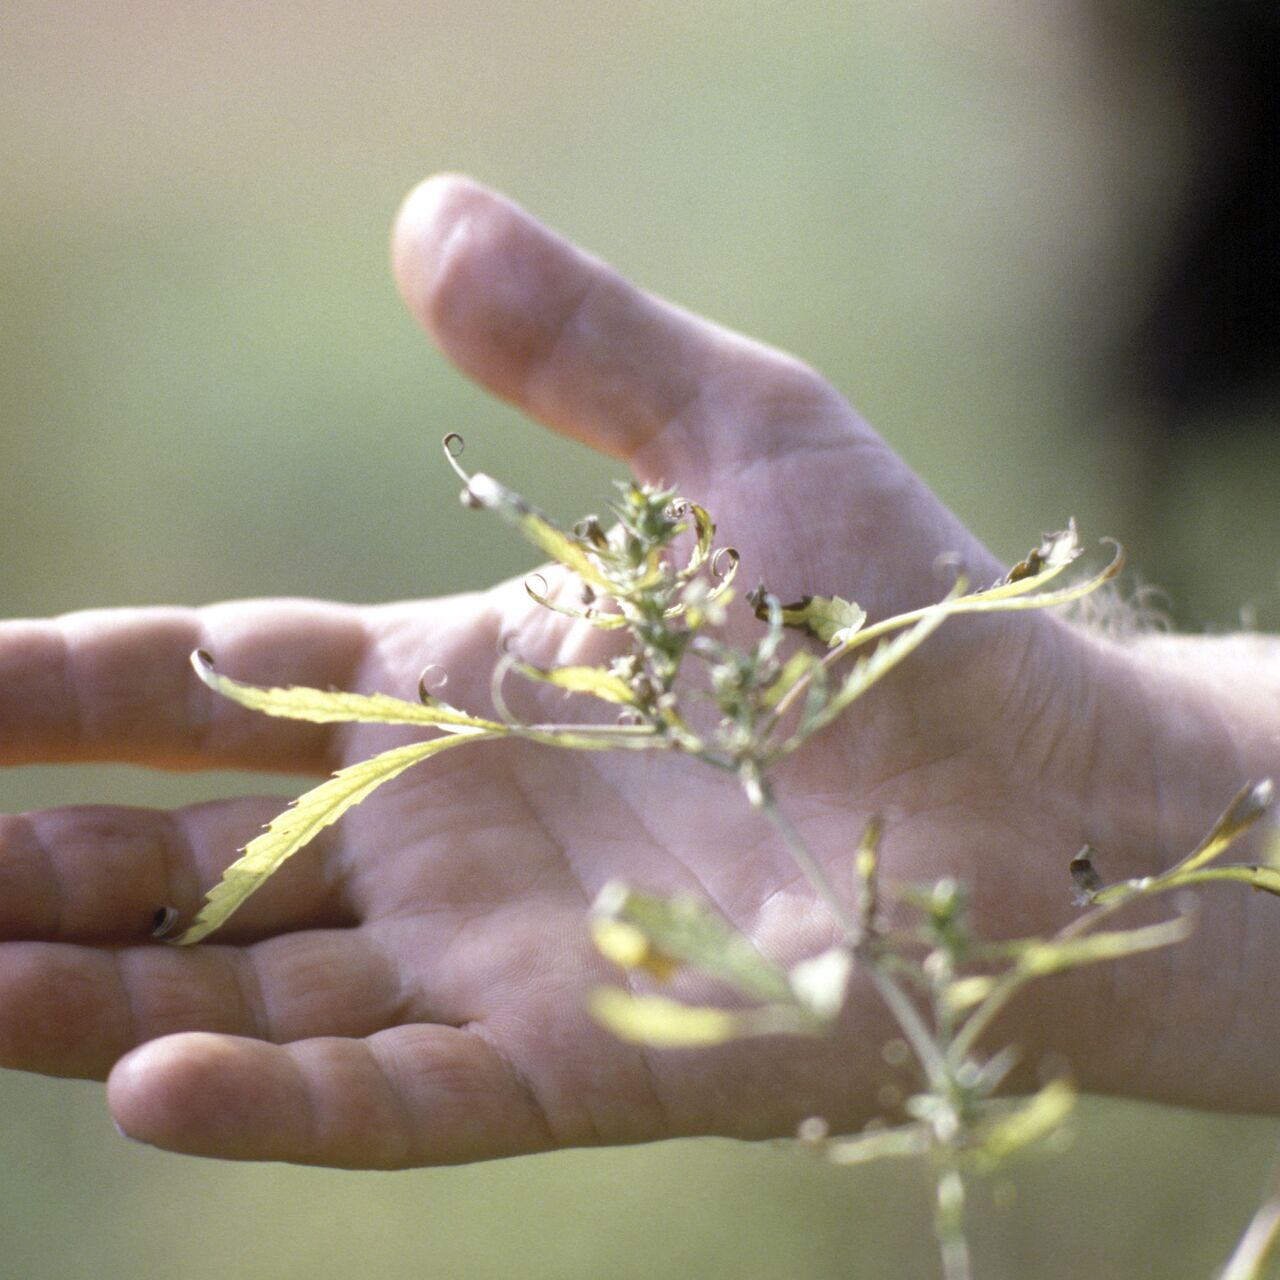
point(1084, 876)
point(703, 530)
point(603, 621)
point(1055, 552)
point(302, 821)
point(866, 869)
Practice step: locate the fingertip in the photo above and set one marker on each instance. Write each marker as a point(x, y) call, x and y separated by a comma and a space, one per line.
point(204, 1094)
point(483, 278)
point(427, 217)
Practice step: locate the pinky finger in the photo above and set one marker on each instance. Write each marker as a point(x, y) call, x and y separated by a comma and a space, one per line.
point(404, 1097)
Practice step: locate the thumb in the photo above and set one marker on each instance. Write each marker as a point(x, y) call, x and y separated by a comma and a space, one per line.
point(560, 334)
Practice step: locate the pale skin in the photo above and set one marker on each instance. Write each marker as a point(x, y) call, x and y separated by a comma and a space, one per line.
point(410, 989)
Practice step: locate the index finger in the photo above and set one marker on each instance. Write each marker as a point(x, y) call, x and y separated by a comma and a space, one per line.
point(116, 684)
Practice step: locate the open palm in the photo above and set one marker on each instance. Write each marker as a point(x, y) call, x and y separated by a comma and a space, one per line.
point(410, 988)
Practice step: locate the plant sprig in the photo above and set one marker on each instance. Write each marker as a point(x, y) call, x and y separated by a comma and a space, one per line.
point(654, 576)
point(629, 579)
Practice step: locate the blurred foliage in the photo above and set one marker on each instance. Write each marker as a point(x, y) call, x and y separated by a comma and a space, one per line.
point(208, 388)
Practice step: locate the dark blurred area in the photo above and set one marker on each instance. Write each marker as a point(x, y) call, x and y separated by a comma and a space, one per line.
point(1211, 338)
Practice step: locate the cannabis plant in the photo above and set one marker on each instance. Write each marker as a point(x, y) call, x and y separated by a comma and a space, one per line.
point(653, 575)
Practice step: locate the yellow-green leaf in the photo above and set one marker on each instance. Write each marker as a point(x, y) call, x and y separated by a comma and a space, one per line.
point(1246, 807)
point(1025, 593)
point(536, 527)
point(302, 821)
point(796, 668)
point(330, 707)
point(1038, 957)
point(866, 869)
point(593, 680)
point(1006, 1135)
point(1055, 552)
point(687, 932)
point(830, 618)
point(667, 1024)
point(964, 993)
point(629, 948)
point(878, 663)
point(603, 621)
point(1266, 879)
point(704, 530)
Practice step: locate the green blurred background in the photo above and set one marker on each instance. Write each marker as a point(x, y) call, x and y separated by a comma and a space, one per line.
point(208, 388)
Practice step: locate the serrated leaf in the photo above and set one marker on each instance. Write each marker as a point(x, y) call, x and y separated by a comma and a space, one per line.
point(332, 707)
point(302, 821)
point(877, 664)
point(667, 1024)
point(536, 527)
point(686, 932)
point(996, 1140)
point(830, 618)
point(596, 681)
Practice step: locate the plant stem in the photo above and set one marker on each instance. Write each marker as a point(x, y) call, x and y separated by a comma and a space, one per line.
point(812, 869)
point(932, 1061)
point(1258, 1242)
point(948, 1225)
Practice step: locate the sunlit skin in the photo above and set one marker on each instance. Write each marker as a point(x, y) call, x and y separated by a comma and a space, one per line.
point(410, 989)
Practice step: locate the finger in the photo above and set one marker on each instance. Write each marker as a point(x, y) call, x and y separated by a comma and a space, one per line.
point(404, 1097)
point(102, 873)
point(75, 1011)
point(555, 330)
point(116, 684)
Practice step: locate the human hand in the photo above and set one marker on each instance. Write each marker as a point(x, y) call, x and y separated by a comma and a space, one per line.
point(409, 989)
